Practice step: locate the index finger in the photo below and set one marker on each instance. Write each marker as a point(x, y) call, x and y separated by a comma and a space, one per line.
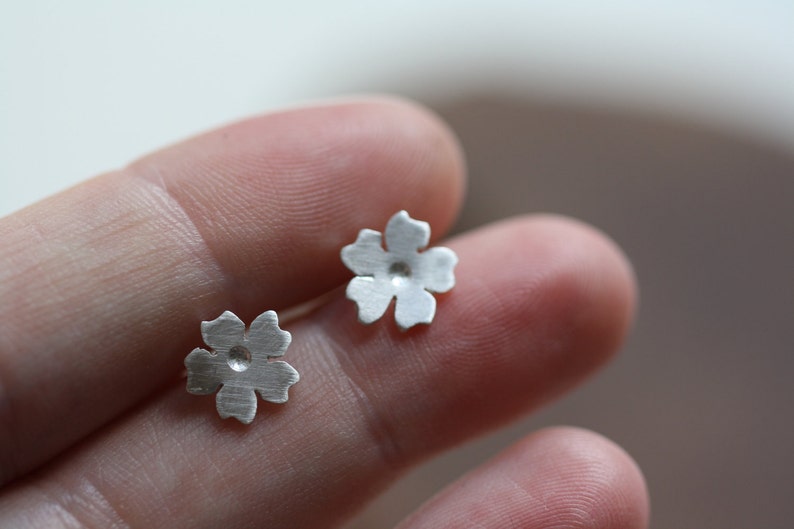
point(102, 286)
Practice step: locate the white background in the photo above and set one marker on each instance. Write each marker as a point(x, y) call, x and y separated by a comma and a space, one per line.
point(87, 86)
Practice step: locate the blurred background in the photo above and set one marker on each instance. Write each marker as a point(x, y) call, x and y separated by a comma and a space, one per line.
point(669, 125)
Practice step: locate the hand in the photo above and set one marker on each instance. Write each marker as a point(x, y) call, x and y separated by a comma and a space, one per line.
point(103, 288)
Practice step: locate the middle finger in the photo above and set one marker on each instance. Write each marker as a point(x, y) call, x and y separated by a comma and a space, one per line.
point(539, 303)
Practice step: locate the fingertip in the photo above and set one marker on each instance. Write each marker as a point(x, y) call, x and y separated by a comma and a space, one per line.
point(563, 289)
point(603, 274)
point(557, 477)
point(589, 280)
point(585, 473)
point(437, 151)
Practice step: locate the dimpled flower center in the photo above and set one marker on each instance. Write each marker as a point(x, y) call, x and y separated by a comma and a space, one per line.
point(239, 358)
point(399, 273)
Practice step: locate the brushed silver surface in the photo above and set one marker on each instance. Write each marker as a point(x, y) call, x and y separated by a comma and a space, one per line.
point(400, 271)
point(240, 364)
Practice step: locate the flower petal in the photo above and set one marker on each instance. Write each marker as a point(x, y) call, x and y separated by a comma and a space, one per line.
point(371, 296)
point(435, 271)
point(205, 371)
point(276, 378)
point(238, 402)
point(405, 235)
point(265, 339)
point(224, 332)
point(365, 256)
point(414, 305)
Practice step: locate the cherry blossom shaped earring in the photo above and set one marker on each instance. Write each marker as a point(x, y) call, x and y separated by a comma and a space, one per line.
point(400, 271)
point(241, 364)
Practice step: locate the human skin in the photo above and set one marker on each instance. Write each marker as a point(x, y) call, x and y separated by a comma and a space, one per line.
point(103, 288)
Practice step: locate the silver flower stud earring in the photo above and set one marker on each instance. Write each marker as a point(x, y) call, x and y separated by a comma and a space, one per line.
point(401, 270)
point(241, 364)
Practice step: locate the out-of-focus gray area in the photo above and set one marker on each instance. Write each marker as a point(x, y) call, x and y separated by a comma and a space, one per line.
point(701, 395)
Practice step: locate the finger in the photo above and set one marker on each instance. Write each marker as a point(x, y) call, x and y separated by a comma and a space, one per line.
point(560, 477)
point(101, 286)
point(539, 303)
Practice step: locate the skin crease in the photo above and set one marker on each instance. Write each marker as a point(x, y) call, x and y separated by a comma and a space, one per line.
point(105, 306)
